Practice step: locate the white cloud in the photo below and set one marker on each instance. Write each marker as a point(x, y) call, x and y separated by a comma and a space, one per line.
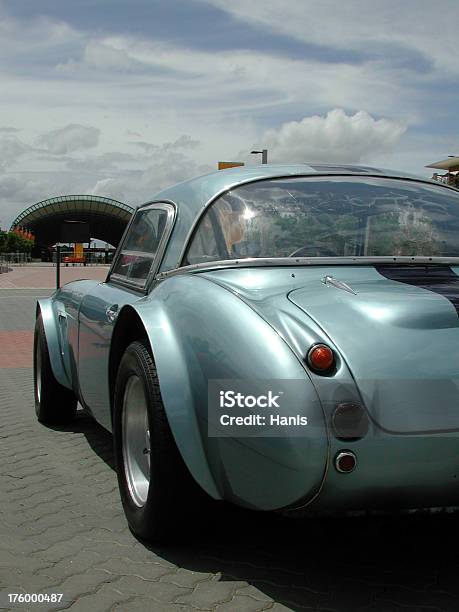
point(140, 113)
point(237, 81)
point(72, 137)
point(336, 137)
point(426, 28)
point(166, 167)
point(184, 142)
point(129, 176)
point(99, 55)
point(11, 149)
point(28, 44)
point(8, 130)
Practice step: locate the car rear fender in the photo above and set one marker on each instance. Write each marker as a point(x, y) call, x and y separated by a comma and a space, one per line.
point(173, 374)
point(199, 331)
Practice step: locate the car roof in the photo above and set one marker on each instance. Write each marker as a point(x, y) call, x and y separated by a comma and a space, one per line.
point(195, 193)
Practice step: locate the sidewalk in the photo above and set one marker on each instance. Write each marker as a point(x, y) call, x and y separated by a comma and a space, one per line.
point(62, 527)
point(44, 277)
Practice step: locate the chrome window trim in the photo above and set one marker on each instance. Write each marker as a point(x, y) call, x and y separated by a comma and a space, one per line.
point(140, 253)
point(249, 181)
point(171, 209)
point(119, 247)
point(143, 286)
point(265, 262)
point(120, 281)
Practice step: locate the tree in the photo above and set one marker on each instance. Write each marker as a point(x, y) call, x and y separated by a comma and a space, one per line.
point(10, 242)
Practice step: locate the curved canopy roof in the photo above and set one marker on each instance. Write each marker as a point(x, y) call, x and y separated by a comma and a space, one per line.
point(107, 218)
point(451, 164)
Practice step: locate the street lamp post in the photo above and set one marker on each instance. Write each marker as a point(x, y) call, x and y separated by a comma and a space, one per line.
point(263, 153)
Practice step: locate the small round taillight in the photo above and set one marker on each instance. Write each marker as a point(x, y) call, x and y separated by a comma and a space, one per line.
point(345, 462)
point(320, 358)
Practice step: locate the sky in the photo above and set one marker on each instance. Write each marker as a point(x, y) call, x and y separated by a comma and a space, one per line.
point(122, 99)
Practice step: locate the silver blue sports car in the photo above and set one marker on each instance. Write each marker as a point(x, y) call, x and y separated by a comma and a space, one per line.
point(281, 337)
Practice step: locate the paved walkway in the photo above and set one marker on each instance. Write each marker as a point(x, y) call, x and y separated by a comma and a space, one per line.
point(35, 276)
point(62, 530)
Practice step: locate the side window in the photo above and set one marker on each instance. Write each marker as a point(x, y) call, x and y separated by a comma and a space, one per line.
point(141, 245)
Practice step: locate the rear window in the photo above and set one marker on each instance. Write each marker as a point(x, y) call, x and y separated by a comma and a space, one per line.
point(329, 217)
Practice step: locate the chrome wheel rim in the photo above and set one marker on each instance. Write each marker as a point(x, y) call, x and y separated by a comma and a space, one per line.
point(136, 440)
point(38, 371)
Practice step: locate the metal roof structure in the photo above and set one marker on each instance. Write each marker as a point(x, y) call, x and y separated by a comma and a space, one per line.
point(451, 164)
point(107, 218)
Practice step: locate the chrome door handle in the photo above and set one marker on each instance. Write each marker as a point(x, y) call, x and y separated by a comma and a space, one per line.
point(112, 312)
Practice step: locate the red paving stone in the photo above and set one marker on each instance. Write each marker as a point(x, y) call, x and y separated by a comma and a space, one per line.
point(16, 348)
point(44, 277)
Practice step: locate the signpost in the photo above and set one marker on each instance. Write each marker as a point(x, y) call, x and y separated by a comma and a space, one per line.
point(58, 265)
point(263, 153)
point(71, 231)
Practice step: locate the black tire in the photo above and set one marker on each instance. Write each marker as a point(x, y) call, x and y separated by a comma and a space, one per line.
point(54, 403)
point(172, 492)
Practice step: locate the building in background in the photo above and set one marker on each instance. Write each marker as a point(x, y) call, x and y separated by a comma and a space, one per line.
point(451, 168)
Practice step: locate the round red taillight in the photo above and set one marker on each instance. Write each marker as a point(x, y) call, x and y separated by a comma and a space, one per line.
point(345, 462)
point(321, 358)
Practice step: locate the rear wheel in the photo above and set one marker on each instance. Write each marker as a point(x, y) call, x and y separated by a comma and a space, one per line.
point(54, 403)
point(155, 485)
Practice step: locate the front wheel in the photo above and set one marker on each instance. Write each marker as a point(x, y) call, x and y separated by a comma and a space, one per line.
point(156, 487)
point(54, 403)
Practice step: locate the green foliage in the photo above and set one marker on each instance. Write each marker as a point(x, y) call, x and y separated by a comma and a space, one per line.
point(12, 243)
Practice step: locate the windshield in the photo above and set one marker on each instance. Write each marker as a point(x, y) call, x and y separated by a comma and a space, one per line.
point(329, 217)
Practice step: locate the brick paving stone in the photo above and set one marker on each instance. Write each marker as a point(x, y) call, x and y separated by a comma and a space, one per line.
point(187, 578)
point(62, 527)
point(159, 591)
point(23, 277)
point(16, 348)
point(208, 594)
point(254, 593)
point(105, 599)
point(243, 604)
point(140, 569)
point(144, 604)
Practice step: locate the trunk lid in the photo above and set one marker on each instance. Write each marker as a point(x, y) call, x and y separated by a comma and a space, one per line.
point(397, 330)
point(399, 334)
